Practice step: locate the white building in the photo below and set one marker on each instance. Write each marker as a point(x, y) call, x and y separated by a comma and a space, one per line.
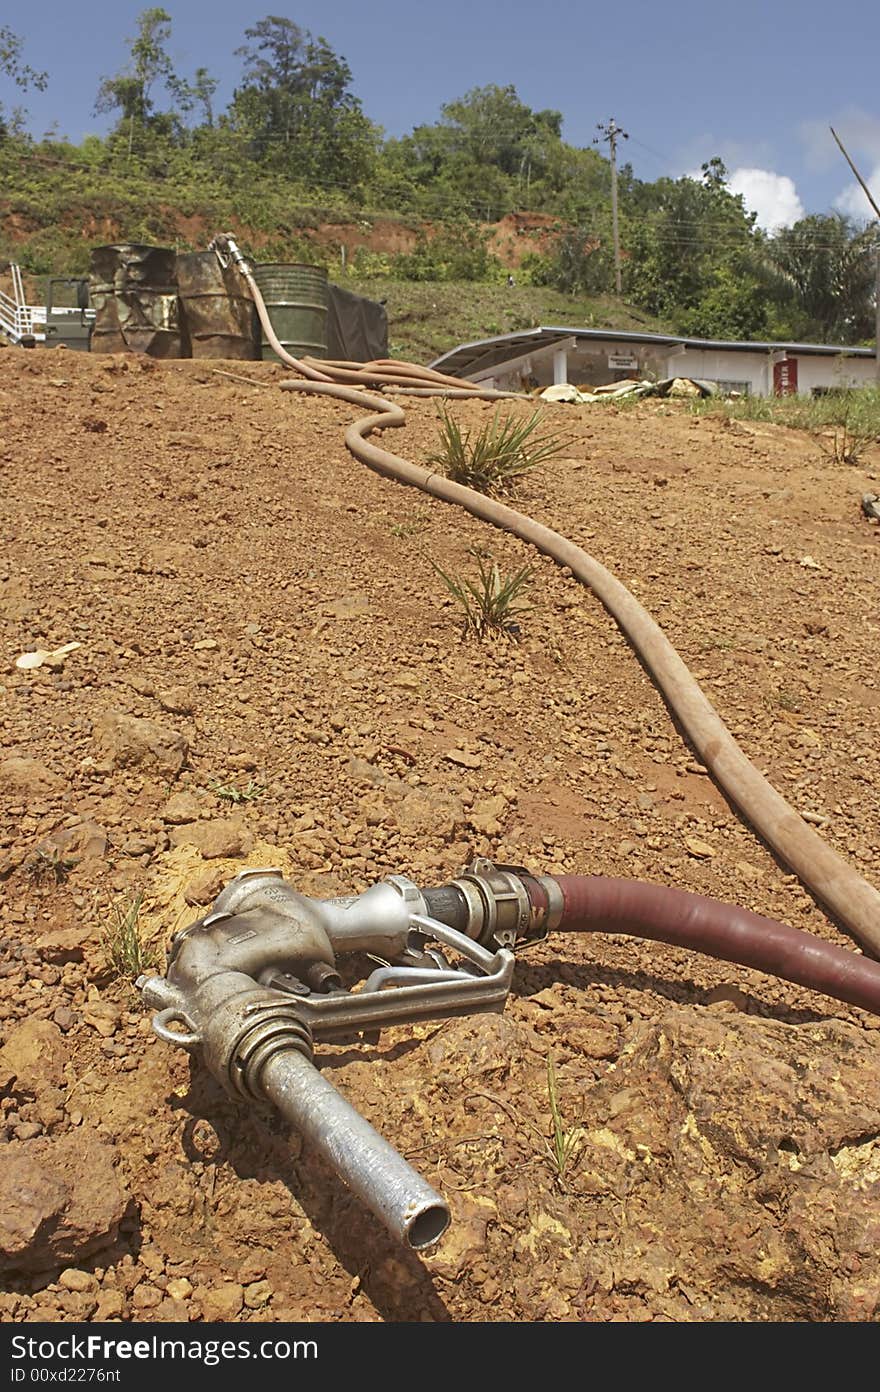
point(593, 357)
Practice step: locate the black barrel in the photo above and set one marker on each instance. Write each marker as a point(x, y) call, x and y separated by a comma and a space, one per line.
point(133, 289)
point(216, 313)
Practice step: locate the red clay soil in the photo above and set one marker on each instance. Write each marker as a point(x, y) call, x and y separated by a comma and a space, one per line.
point(268, 605)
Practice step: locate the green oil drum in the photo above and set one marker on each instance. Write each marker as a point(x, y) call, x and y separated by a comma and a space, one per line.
point(296, 301)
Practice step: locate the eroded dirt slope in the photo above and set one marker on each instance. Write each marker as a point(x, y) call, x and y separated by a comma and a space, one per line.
point(267, 605)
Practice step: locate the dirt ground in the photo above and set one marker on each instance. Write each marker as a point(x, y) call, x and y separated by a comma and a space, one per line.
point(233, 576)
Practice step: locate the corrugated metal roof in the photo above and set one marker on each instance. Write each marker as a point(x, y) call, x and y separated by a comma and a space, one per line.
point(489, 352)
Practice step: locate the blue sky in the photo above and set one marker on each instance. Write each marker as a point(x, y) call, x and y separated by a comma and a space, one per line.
point(756, 83)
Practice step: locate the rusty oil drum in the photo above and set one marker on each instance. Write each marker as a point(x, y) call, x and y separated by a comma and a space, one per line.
point(218, 319)
point(296, 301)
point(133, 289)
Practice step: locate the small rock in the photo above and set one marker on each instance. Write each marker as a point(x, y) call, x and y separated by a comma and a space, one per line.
point(258, 1295)
point(62, 945)
point(700, 849)
point(463, 759)
point(146, 1297)
point(73, 1279)
point(84, 841)
point(750, 873)
point(177, 700)
point(111, 1305)
point(221, 1303)
point(103, 1016)
point(27, 1130)
point(181, 807)
point(486, 816)
point(204, 888)
point(179, 1288)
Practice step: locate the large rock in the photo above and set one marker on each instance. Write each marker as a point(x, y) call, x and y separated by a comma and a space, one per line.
point(226, 837)
point(743, 1158)
point(83, 841)
point(33, 1058)
point(126, 740)
point(23, 775)
point(60, 1201)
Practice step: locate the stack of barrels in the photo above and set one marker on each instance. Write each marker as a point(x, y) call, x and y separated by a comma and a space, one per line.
point(150, 300)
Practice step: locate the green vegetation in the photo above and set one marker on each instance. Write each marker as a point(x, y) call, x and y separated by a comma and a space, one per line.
point(127, 951)
point(492, 603)
point(565, 1141)
point(230, 792)
point(294, 153)
point(48, 865)
point(427, 318)
point(860, 405)
point(493, 458)
point(845, 423)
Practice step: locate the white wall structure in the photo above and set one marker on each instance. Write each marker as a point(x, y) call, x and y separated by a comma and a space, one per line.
point(591, 357)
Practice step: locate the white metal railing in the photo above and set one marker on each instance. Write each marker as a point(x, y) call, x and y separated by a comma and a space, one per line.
point(18, 319)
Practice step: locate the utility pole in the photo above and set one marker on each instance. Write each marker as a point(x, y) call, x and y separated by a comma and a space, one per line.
point(612, 133)
point(870, 199)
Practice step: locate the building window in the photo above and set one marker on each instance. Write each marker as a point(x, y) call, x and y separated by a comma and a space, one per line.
point(728, 388)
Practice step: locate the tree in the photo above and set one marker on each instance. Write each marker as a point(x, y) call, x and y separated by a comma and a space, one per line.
point(687, 243)
point(130, 92)
point(830, 265)
point(198, 93)
point(487, 155)
point(22, 74)
point(296, 105)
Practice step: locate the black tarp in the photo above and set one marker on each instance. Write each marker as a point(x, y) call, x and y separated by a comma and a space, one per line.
point(357, 328)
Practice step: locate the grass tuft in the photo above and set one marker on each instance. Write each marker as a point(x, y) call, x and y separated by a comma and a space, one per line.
point(845, 423)
point(493, 459)
point(565, 1141)
point(127, 952)
point(493, 602)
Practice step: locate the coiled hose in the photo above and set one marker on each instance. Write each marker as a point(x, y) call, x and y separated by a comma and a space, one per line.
point(850, 898)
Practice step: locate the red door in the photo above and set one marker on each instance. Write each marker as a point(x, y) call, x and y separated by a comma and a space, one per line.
point(785, 377)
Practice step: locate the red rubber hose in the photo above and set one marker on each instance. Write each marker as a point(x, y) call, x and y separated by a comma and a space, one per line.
point(596, 904)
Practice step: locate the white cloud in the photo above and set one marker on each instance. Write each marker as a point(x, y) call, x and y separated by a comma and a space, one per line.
point(859, 130)
point(772, 196)
point(852, 200)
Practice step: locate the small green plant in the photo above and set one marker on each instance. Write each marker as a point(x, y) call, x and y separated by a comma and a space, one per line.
point(493, 602)
point(408, 529)
point(493, 459)
point(48, 865)
point(230, 792)
point(127, 952)
point(566, 1141)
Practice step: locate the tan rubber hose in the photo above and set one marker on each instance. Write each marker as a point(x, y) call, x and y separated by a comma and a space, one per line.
point(849, 897)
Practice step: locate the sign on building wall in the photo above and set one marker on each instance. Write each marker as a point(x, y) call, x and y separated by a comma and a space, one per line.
point(785, 377)
point(622, 360)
